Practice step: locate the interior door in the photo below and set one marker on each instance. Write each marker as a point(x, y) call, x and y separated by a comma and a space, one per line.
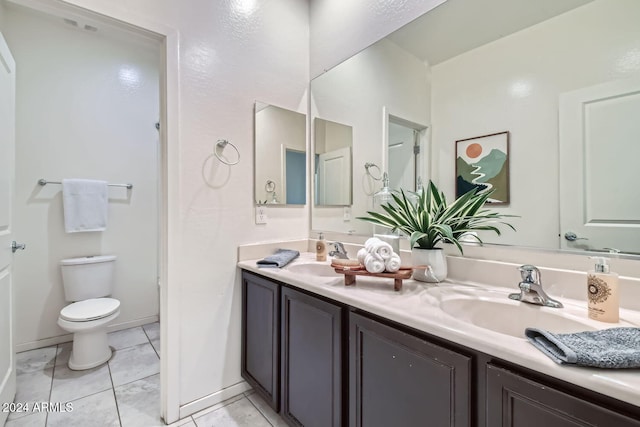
point(402, 173)
point(7, 160)
point(334, 177)
point(599, 152)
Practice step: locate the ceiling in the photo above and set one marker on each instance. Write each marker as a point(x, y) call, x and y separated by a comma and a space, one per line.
point(457, 26)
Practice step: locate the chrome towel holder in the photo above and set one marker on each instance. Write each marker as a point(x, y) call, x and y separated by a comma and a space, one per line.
point(44, 182)
point(370, 165)
point(222, 144)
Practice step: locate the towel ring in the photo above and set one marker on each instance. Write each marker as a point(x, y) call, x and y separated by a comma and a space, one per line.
point(270, 186)
point(369, 165)
point(222, 143)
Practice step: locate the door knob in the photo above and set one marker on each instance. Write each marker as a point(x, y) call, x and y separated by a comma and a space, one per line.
point(15, 246)
point(572, 237)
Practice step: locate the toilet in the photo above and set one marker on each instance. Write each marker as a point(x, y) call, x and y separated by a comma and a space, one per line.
point(88, 281)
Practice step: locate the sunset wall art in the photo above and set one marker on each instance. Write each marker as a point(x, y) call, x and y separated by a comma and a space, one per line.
point(483, 162)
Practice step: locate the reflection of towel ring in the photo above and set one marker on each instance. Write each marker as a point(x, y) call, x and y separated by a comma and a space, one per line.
point(270, 186)
point(222, 143)
point(369, 165)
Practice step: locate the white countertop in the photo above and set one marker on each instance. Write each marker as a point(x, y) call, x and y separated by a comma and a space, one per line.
point(417, 305)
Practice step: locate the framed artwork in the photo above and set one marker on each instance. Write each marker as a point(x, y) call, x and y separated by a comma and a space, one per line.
point(483, 162)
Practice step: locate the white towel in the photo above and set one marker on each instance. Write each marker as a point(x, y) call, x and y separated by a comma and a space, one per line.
point(373, 264)
point(382, 249)
point(362, 254)
point(371, 242)
point(393, 263)
point(85, 205)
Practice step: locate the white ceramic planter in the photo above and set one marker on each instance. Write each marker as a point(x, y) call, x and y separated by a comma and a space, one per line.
point(435, 258)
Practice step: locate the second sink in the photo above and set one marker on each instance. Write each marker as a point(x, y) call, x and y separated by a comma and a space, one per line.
point(511, 318)
point(313, 269)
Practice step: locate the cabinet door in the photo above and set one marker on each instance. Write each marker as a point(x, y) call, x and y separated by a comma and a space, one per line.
point(261, 336)
point(311, 361)
point(397, 379)
point(513, 400)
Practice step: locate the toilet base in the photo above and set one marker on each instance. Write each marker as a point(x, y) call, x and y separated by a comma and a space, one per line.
point(89, 350)
point(90, 343)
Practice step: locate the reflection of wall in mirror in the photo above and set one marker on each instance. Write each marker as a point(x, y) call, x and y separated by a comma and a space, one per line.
point(276, 127)
point(514, 83)
point(355, 92)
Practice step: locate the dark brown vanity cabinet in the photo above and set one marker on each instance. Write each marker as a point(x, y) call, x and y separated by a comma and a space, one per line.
point(398, 379)
point(311, 361)
point(517, 401)
point(292, 352)
point(261, 336)
point(320, 363)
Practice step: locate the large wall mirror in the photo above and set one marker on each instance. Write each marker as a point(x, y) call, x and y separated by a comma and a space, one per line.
point(280, 156)
point(540, 70)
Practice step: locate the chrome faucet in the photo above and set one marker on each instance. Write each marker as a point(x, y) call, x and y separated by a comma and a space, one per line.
point(339, 251)
point(531, 288)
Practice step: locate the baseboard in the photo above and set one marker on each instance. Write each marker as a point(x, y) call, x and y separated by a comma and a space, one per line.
point(132, 323)
point(47, 342)
point(213, 399)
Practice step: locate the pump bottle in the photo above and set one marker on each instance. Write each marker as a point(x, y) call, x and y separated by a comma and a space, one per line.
point(602, 292)
point(321, 248)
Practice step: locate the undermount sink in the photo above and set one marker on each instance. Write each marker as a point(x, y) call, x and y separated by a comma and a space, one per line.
point(510, 317)
point(313, 269)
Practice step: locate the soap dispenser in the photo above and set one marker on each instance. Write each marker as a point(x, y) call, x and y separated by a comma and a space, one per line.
point(602, 292)
point(321, 248)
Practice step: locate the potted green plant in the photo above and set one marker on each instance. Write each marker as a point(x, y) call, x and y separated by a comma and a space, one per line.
point(428, 220)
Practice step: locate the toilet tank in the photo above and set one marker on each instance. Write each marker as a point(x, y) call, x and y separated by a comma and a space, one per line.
point(87, 277)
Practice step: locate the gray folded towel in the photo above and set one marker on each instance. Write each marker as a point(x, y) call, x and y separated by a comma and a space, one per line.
point(608, 348)
point(279, 259)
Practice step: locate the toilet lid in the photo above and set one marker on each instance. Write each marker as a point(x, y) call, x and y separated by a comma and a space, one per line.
point(91, 309)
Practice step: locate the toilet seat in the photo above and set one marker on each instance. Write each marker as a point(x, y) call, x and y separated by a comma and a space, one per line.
point(90, 309)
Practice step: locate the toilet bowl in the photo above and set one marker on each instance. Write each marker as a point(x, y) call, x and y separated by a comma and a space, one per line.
point(88, 320)
point(88, 282)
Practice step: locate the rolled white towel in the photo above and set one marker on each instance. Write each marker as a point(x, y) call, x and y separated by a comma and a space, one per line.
point(373, 264)
point(383, 249)
point(393, 263)
point(371, 242)
point(362, 253)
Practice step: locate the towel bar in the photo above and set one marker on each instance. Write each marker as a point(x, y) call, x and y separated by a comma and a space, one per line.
point(45, 182)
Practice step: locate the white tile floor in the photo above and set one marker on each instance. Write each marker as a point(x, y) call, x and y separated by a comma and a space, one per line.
point(125, 392)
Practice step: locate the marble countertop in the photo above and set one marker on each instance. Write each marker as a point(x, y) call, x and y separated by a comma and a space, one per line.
point(418, 305)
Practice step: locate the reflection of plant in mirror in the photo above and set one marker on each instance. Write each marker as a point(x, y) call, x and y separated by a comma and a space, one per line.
point(428, 219)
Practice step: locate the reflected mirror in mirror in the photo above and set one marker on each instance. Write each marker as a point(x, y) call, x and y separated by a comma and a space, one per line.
point(486, 66)
point(280, 156)
point(332, 162)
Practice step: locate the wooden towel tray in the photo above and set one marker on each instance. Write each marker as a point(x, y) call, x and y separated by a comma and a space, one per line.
point(350, 273)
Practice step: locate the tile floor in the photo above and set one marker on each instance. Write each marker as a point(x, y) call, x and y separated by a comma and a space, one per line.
point(125, 392)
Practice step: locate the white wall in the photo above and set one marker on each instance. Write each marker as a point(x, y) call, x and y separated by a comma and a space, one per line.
point(232, 53)
point(513, 84)
point(340, 29)
point(86, 108)
point(354, 93)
